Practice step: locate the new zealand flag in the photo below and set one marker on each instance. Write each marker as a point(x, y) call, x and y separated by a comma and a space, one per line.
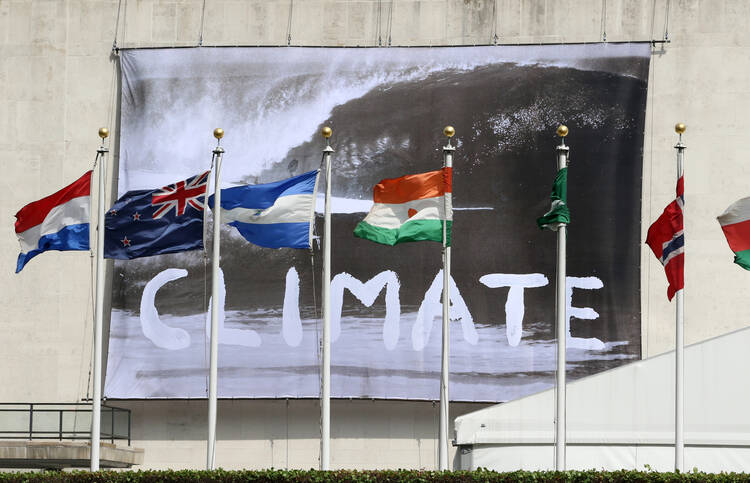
point(154, 222)
point(667, 240)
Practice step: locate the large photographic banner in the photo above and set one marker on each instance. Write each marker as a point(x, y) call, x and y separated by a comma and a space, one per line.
point(387, 108)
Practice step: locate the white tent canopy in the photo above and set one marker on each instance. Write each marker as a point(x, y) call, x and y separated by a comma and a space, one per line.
point(624, 418)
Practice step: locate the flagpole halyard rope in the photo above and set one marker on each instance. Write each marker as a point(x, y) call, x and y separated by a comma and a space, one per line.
point(650, 208)
point(378, 22)
point(92, 299)
point(86, 317)
point(680, 323)
point(494, 37)
point(563, 153)
point(92, 255)
point(316, 316)
point(124, 26)
point(389, 26)
point(444, 411)
point(92, 305)
point(213, 385)
point(203, 17)
point(316, 312)
point(325, 397)
point(653, 18)
point(205, 304)
point(117, 25)
point(95, 436)
point(205, 270)
point(289, 24)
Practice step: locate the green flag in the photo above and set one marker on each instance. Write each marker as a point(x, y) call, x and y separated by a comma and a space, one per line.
point(558, 212)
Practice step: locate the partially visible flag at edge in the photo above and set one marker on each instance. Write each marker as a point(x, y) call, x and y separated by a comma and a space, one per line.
point(272, 215)
point(667, 240)
point(58, 222)
point(558, 212)
point(735, 223)
point(410, 208)
point(144, 223)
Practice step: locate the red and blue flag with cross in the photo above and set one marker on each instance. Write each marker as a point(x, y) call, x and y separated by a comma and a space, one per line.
point(666, 238)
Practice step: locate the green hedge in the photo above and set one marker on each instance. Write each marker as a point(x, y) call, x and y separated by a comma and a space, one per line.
point(313, 476)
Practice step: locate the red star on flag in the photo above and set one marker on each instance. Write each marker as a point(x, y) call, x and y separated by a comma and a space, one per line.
point(113, 212)
point(136, 216)
point(125, 242)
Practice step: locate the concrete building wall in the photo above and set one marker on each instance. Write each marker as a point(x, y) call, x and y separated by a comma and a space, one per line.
point(58, 86)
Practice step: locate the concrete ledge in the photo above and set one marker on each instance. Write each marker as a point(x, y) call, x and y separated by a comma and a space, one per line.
point(65, 454)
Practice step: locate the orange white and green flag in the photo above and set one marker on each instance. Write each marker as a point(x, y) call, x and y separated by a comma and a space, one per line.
point(410, 208)
point(735, 222)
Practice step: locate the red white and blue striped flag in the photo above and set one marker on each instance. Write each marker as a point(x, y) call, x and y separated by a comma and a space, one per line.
point(58, 222)
point(667, 241)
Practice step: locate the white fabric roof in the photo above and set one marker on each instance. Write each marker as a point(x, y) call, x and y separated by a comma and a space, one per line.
point(633, 405)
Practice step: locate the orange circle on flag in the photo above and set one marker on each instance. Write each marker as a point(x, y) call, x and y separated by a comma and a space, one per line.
point(412, 212)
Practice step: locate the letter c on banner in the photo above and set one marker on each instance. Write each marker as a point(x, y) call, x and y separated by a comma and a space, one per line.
point(170, 338)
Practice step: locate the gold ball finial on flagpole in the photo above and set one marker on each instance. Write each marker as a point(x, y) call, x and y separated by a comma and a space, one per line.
point(562, 130)
point(449, 131)
point(679, 128)
point(103, 132)
point(218, 133)
point(327, 132)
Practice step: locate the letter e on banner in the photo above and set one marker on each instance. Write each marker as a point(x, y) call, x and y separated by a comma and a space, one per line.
point(587, 283)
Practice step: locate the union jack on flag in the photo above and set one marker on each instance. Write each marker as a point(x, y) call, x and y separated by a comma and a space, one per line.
point(143, 223)
point(181, 194)
point(667, 240)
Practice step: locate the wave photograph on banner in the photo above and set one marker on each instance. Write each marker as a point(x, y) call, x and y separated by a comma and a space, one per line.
point(387, 109)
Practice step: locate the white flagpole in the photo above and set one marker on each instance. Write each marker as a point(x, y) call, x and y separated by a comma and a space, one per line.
point(325, 349)
point(679, 439)
point(96, 403)
point(213, 371)
point(562, 161)
point(445, 355)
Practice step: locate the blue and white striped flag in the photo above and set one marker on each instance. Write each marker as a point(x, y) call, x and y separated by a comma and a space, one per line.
point(272, 215)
